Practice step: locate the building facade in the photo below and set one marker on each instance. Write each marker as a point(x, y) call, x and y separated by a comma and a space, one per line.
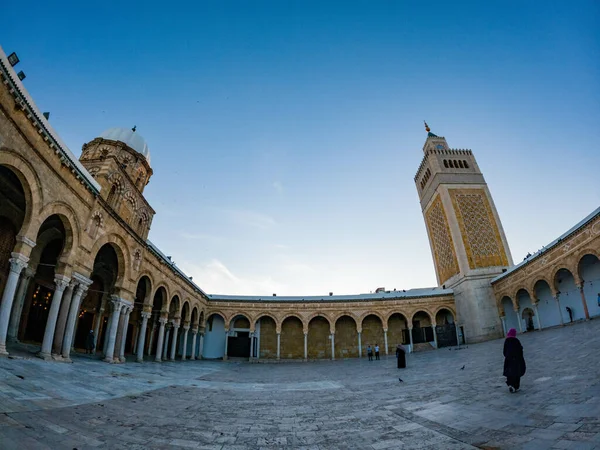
point(75, 261)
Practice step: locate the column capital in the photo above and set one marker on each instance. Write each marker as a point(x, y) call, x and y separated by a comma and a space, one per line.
point(385, 330)
point(61, 281)
point(28, 273)
point(194, 330)
point(359, 330)
point(18, 262)
point(162, 320)
point(146, 314)
point(118, 302)
point(175, 323)
point(186, 328)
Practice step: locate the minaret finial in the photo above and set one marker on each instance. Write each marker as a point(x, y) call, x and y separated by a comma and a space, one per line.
point(134, 127)
point(426, 127)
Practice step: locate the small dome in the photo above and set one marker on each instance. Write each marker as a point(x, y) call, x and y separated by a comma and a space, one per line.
point(130, 138)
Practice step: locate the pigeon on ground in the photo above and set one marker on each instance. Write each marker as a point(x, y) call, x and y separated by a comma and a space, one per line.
point(401, 380)
point(462, 368)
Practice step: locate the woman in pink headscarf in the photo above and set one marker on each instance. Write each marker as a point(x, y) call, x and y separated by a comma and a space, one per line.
point(514, 363)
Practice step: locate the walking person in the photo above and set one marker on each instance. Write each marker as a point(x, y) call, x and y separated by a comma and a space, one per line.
point(376, 352)
point(401, 356)
point(370, 352)
point(89, 343)
point(514, 363)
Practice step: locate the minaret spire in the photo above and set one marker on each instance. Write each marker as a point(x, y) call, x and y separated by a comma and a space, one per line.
point(426, 127)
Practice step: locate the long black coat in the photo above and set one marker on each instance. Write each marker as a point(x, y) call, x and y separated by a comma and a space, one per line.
point(514, 363)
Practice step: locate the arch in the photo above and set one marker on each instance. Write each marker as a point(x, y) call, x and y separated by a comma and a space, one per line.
point(446, 163)
point(374, 313)
point(150, 277)
point(320, 314)
point(345, 313)
point(536, 281)
point(122, 251)
point(176, 295)
point(391, 313)
point(582, 254)
point(236, 314)
point(292, 337)
point(194, 317)
point(449, 308)
point(425, 311)
point(441, 309)
point(318, 336)
point(466, 164)
point(346, 336)
point(165, 296)
point(516, 291)
point(460, 164)
point(185, 311)
point(217, 313)
point(145, 280)
point(67, 215)
point(30, 182)
point(297, 316)
point(259, 316)
point(174, 307)
point(557, 269)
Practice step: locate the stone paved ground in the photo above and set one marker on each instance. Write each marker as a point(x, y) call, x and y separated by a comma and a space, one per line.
point(318, 405)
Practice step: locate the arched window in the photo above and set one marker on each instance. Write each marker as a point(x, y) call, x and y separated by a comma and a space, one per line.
point(460, 164)
point(446, 163)
point(466, 165)
point(112, 194)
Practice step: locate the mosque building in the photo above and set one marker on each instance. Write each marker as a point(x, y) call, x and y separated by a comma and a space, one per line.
point(75, 257)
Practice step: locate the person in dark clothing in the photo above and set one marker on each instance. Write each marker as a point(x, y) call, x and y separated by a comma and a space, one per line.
point(90, 345)
point(370, 352)
point(401, 356)
point(376, 352)
point(514, 363)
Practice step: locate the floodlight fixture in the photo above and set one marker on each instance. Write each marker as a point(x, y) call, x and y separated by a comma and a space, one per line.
point(13, 59)
point(21, 75)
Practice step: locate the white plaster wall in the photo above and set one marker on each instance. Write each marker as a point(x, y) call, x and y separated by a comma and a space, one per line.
point(214, 339)
point(590, 273)
point(569, 296)
point(511, 319)
point(547, 306)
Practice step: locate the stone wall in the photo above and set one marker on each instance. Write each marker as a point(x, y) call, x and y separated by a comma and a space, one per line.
point(292, 339)
point(319, 344)
point(346, 338)
point(268, 338)
point(372, 333)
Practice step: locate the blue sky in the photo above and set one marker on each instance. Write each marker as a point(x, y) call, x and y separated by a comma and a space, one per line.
point(285, 135)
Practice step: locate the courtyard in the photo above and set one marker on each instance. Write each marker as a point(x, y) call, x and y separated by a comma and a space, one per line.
point(316, 405)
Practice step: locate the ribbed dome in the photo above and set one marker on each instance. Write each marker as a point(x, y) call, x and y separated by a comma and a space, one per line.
point(130, 138)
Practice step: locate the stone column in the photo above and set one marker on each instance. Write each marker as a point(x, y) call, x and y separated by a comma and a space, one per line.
point(113, 325)
point(306, 346)
point(97, 325)
point(359, 345)
point(519, 319)
point(278, 346)
point(78, 294)
point(194, 336)
point(17, 309)
point(151, 337)
point(537, 315)
point(252, 340)
point(61, 282)
point(201, 346)
point(435, 336)
point(503, 319)
point(186, 329)
point(226, 344)
point(166, 345)
point(142, 336)
point(411, 338)
point(134, 337)
point(126, 312)
point(332, 346)
point(17, 263)
point(583, 301)
point(457, 330)
point(174, 340)
point(63, 314)
point(385, 340)
point(161, 338)
point(559, 310)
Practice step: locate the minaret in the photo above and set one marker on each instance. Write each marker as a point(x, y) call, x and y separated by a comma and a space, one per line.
point(467, 240)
